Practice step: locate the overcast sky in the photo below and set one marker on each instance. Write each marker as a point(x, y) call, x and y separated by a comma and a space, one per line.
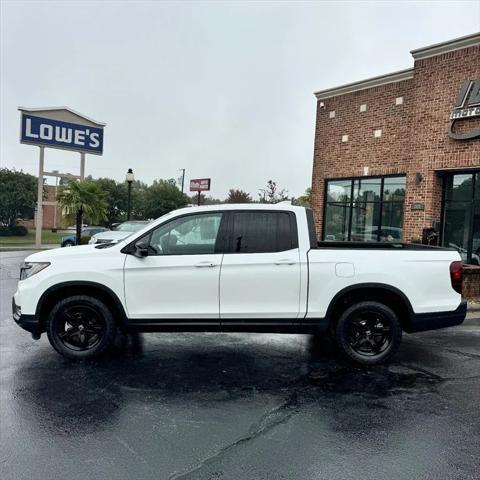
point(223, 89)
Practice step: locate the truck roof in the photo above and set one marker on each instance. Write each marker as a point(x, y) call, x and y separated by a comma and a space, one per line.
point(285, 206)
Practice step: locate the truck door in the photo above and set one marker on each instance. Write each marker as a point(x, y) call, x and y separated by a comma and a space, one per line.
point(179, 279)
point(260, 275)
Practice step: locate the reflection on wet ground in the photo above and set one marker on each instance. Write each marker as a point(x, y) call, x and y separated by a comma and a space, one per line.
point(239, 406)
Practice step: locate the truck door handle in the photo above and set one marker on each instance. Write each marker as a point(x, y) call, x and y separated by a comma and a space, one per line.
point(205, 265)
point(285, 261)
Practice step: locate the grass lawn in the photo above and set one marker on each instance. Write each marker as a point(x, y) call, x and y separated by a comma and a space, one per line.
point(48, 237)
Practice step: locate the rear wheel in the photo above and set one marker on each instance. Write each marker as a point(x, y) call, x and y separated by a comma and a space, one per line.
point(68, 243)
point(368, 333)
point(80, 327)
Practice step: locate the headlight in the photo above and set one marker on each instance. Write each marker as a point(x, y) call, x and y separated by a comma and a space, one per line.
point(29, 269)
point(92, 240)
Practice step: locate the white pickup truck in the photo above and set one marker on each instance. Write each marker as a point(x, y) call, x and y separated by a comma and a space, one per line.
point(249, 268)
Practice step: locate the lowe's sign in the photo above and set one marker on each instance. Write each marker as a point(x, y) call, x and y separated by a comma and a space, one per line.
point(56, 133)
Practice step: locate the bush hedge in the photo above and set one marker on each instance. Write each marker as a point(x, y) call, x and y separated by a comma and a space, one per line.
point(16, 230)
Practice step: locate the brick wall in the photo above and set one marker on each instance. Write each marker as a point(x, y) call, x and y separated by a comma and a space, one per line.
point(436, 83)
point(471, 283)
point(414, 135)
point(385, 155)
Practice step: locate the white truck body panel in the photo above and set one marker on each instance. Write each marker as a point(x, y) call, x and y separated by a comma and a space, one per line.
point(289, 285)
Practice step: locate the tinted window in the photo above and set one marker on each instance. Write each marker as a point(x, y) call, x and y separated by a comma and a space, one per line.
point(189, 235)
point(257, 232)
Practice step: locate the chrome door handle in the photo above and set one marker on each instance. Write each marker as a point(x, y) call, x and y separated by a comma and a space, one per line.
point(285, 261)
point(205, 265)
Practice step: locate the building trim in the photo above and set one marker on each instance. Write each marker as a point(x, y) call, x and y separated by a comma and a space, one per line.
point(52, 109)
point(394, 77)
point(446, 47)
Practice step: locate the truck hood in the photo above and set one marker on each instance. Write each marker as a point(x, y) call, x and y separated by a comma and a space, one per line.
point(61, 253)
point(113, 235)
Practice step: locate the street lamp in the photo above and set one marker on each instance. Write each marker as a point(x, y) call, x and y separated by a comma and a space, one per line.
point(129, 178)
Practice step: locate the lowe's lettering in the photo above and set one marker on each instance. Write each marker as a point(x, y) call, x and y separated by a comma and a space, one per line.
point(55, 133)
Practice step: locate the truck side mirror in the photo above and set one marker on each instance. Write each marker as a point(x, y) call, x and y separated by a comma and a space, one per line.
point(141, 249)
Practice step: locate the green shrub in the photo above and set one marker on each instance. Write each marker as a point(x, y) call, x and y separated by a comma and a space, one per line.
point(84, 240)
point(19, 230)
point(16, 230)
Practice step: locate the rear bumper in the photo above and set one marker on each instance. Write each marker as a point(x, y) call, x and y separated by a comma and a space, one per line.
point(27, 322)
point(431, 321)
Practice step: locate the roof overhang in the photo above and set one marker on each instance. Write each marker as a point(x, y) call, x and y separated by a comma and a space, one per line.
point(52, 110)
point(446, 47)
point(399, 76)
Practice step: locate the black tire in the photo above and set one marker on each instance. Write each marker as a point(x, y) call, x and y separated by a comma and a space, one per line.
point(368, 333)
point(68, 243)
point(80, 327)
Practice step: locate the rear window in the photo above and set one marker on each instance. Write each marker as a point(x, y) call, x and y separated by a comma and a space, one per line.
point(261, 232)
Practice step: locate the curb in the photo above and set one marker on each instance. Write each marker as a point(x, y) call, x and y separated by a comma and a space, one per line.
point(473, 307)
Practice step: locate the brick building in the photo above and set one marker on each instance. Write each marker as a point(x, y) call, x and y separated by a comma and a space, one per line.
point(52, 214)
point(397, 157)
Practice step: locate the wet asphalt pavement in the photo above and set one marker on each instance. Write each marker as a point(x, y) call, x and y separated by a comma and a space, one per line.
point(237, 406)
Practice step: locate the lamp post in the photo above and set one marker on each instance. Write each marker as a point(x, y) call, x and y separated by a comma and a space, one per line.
point(129, 178)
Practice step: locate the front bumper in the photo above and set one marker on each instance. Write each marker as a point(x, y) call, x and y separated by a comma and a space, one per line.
point(431, 321)
point(27, 322)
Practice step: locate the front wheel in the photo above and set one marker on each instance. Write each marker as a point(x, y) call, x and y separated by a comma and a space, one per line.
point(80, 327)
point(368, 333)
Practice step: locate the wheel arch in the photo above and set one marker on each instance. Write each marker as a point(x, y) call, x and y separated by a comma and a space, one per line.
point(66, 289)
point(387, 294)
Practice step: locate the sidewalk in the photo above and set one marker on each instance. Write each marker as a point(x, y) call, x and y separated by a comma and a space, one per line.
point(474, 307)
point(28, 247)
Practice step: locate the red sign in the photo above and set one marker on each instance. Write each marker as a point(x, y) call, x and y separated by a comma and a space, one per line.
point(199, 184)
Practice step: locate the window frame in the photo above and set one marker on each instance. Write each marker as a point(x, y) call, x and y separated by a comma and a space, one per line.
point(475, 174)
point(219, 242)
point(350, 203)
point(230, 237)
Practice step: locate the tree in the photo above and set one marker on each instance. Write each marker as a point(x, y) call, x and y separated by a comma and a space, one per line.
point(82, 198)
point(18, 196)
point(162, 197)
point(116, 198)
point(238, 196)
point(272, 194)
point(305, 199)
point(204, 200)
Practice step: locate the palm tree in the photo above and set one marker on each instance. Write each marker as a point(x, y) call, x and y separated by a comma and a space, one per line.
point(82, 198)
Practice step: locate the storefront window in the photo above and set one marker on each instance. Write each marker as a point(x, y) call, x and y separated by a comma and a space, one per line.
point(365, 209)
point(461, 222)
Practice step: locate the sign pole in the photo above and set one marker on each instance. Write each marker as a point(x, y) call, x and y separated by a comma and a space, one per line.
point(82, 165)
point(198, 198)
point(39, 222)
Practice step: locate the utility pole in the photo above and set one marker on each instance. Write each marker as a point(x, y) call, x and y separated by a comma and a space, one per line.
point(183, 177)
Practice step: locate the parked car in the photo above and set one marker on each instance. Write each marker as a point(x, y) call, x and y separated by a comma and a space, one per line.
point(120, 232)
point(71, 240)
point(254, 268)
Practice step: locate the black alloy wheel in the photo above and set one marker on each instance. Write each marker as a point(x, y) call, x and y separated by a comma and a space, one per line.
point(80, 327)
point(368, 333)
